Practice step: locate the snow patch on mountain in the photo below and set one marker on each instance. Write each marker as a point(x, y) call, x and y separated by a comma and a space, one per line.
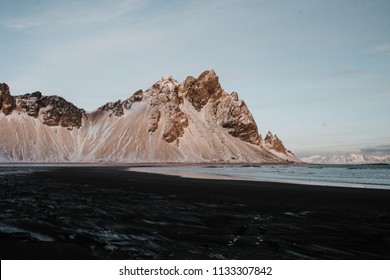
point(352, 158)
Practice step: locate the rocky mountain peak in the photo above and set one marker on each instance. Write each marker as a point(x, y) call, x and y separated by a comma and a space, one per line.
point(117, 108)
point(163, 92)
point(52, 110)
point(203, 89)
point(273, 142)
point(269, 137)
point(7, 102)
point(233, 115)
point(165, 100)
point(228, 111)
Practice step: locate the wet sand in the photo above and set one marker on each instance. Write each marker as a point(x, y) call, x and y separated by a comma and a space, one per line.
point(110, 213)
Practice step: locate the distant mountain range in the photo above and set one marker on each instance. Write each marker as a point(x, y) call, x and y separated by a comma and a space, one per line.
point(347, 159)
point(193, 121)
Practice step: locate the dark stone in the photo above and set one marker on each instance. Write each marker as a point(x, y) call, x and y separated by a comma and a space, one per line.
point(7, 101)
point(206, 87)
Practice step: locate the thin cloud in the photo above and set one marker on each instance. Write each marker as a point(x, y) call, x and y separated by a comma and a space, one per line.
point(382, 48)
point(26, 23)
point(72, 13)
point(82, 13)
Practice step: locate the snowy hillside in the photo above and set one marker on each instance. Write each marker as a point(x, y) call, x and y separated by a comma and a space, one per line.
point(346, 159)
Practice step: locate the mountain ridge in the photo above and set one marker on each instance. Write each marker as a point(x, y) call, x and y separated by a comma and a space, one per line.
point(351, 158)
point(170, 121)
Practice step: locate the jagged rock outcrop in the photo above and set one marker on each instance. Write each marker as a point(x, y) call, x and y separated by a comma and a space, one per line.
point(57, 111)
point(117, 108)
point(174, 127)
point(30, 103)
point(274, 143)
point(136, 97)
point(193, 121)
point(7, 102)
point(164, 95)
point(154, 119)
point(53, 110)
point(201, 90)
point(233, 115)
point(229, 112)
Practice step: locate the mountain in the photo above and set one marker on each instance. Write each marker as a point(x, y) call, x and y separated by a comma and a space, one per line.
point(195, 121)
point(275, 145)
point(346, 159)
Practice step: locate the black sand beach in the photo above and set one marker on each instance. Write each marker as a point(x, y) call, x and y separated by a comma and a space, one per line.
point(111, 213)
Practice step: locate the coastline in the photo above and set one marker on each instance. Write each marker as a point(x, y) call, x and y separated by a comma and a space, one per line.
point(170, 171)
point(111, 213)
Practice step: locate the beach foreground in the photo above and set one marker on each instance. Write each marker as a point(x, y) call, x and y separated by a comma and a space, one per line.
point(110, 213)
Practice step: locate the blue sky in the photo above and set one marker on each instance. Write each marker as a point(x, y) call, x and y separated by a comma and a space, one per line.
point(315, 72)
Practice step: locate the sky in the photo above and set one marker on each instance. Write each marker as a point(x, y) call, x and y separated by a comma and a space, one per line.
point(314, 72)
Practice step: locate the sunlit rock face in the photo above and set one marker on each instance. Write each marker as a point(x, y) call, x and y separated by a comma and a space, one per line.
point(7, 102)
point(52, 110)
point(275, 145)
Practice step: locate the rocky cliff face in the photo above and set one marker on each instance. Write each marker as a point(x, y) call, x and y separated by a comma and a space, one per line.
point(203, 89)
point(164, 98)
point(7, 102)
point(53, 110)
point(228, 111)
point(233, 115)
point(192, 121)
point(273, 143)
point(117, 108)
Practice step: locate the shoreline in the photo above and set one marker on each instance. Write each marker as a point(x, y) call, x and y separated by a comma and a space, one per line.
point(163, 170)
point(148, 164)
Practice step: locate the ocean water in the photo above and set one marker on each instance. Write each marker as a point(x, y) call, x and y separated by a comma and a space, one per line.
point(363, 175)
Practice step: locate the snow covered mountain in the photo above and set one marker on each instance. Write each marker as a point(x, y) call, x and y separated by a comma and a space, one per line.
point(195, 121)
point(346, 159)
